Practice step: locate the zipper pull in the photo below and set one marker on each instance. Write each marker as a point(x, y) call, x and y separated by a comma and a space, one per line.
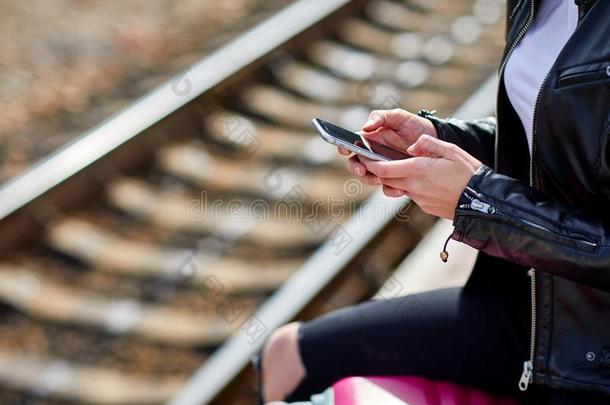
point(527, 376)
point(480, 206)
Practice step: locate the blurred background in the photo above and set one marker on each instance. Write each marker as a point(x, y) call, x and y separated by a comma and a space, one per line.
point(149, 245)
point(68, 64)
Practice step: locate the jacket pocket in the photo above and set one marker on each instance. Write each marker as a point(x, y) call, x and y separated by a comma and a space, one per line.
point(593, 73)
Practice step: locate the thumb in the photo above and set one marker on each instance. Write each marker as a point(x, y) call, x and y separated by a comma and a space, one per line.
point(429, 146)
point(376, 120)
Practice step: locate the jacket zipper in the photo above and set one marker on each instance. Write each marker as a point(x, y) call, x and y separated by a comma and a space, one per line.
point(528, 366)
point(527, 376)
point(528, 23)
point(476, 204)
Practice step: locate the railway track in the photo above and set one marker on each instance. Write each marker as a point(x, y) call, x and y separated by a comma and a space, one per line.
point(165, 243)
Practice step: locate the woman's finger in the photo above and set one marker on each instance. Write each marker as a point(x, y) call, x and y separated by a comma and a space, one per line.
point(376, 120)
point(355, 167)
point(343, 151)
point(402, 184)
point(392, 192)
point(427, 145)
point(388, 137)
point(393, 169)
point(371, 180)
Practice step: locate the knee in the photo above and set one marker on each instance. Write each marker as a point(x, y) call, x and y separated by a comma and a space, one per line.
point(282, 367)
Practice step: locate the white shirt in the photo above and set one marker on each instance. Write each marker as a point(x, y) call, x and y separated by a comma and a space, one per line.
point(531, 60)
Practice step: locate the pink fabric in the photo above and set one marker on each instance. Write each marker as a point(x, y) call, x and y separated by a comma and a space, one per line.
point(409, 391)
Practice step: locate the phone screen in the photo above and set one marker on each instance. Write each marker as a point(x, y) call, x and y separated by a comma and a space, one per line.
point(353, 138)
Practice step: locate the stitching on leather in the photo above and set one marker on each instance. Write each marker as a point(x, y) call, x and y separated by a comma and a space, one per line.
point(557, 379)
point(598, 153)
point(484, 172)
point(551, 322)
point(606, 130)
point(512, 14)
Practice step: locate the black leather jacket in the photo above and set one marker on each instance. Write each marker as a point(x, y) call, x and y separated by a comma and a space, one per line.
point(551, 215)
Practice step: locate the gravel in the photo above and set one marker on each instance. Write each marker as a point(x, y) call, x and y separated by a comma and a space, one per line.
point(68, 64)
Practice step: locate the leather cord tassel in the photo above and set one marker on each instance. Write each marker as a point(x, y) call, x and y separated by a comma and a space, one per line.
point(444, 254)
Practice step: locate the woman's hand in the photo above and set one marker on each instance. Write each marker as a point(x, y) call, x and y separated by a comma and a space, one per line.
point(434, 178)
point(396, 128)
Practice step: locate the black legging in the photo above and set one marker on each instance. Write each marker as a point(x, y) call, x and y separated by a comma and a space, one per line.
point(474, 338)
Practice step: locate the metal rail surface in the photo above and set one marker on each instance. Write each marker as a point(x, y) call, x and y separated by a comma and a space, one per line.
point(147, 260)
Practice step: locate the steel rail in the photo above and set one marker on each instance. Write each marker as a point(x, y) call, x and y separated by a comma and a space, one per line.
point(161, 102)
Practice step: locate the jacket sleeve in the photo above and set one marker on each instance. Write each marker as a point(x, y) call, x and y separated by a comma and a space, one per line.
point(476, 137)
point(506, 218)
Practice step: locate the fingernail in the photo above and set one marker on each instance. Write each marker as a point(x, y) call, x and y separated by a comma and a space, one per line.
point(360, 171)
point(376, 180)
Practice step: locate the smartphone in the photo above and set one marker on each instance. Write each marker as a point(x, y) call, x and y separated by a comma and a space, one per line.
point(351, 141)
